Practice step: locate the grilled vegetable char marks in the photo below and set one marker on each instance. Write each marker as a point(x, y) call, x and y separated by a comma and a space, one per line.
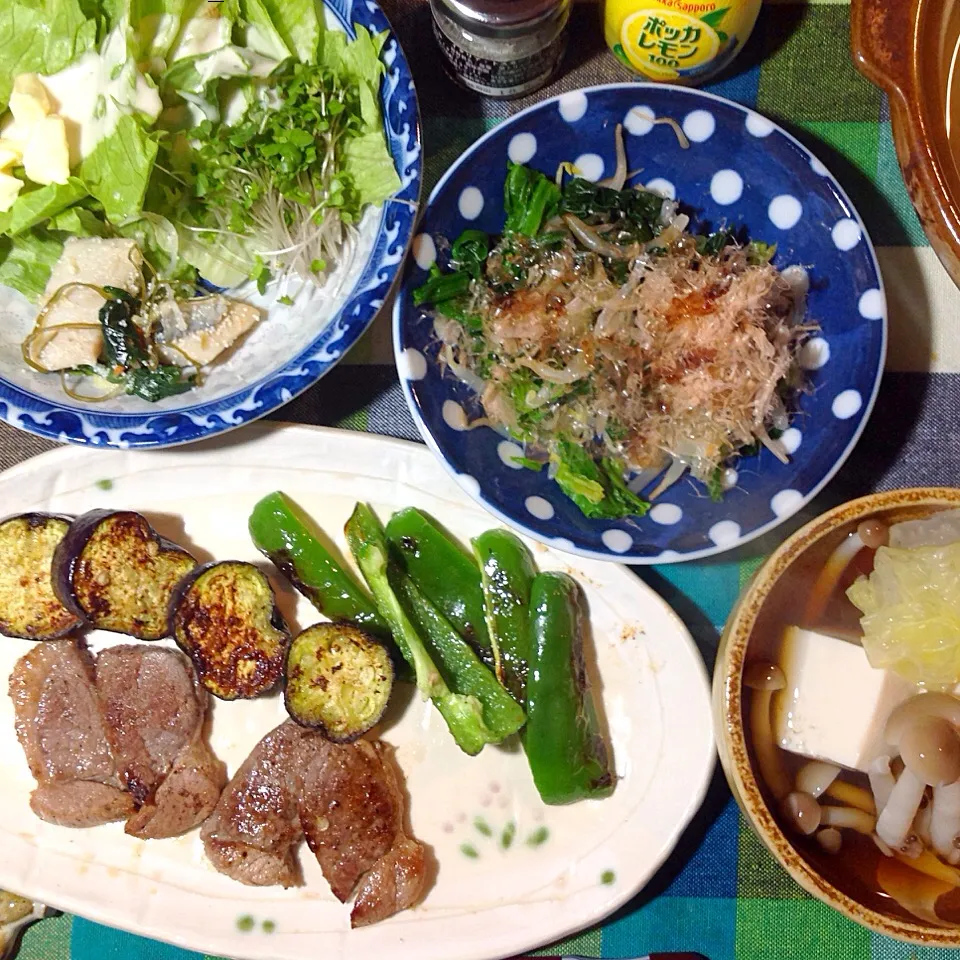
point(225, 618)
point(118, 572)
point(28, 606)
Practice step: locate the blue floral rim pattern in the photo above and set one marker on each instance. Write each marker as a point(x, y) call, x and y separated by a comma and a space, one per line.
point(68, 423)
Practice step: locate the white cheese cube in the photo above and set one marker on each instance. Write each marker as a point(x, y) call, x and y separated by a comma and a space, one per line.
point(835, 705)
point(29, 102)
point(46, 157)
point(9, 188)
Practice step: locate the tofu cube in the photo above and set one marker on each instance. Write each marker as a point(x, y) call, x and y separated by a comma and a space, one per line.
point(835, 705)
point(29, 102)
point(46, 157)
point(9, 188)
point(101, 262)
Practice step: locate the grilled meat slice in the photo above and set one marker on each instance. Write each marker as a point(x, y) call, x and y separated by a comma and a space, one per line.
point(351, 811)
point(61, 729)
point(396, 882)
point(80, 803)
point(154, 708)
point(185, 798)
point(253, 832)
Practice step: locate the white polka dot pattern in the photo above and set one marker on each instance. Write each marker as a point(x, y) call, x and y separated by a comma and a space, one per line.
point(573, 106)
point(590, 166)
point(411, 364)
point(522, 148)
point(539, 507)
point(846, 404)
point(616, 541)
point(785, 211)
point(726, 187)
point(470, 203)
point(699, 125)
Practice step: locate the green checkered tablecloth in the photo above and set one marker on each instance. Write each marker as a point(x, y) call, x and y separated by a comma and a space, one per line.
point(720, 893)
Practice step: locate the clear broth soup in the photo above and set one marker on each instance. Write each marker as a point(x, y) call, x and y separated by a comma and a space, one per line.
point(853, 869)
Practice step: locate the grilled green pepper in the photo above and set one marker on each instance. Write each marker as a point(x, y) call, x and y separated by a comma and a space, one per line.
point(281, 532)
point(445, 573)
point(464, 672)
point(566, 752)
point(463, 714)
point(507, 570)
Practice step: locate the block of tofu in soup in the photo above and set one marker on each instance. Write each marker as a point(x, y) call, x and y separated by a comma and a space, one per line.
point(196, 332)
point(71, 305)
point(834, 705)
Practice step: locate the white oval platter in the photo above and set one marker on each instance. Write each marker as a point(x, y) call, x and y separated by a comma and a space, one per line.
point(565, 868)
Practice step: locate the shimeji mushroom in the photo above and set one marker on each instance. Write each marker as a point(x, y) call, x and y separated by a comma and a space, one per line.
point(816, 777)
point(764, 679)
point(929, 746)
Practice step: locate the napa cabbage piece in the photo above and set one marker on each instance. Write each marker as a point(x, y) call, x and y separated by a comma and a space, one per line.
point(911, 612)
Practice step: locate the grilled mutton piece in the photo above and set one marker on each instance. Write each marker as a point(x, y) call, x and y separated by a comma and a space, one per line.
point(62, 732)
point(116, 738)
point(344, 798)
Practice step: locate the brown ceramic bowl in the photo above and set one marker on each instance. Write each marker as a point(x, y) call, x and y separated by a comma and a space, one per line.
point(908, 49)
point(761, 613)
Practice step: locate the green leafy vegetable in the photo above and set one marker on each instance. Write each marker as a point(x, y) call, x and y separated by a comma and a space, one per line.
point(469, 252)
point(638, 208)
point(529, 199)
point(759, 252)
point(117, 170)
point(34, 206)
point(260, 33)
point(298, 25)
point(441, 286)
point(370, 167)
point(598, 490)
point(41, 36)
point(78, 222)
point(27, 260)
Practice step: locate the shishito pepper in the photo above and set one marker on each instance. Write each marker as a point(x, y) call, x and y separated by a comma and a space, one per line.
point(463, 713)
point(445, 573)
point(565, 749)
point(281, 532)
point(465, 674)
point(507, 571)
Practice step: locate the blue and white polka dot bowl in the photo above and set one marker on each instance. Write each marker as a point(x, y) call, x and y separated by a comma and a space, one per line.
point(294, 346)
point(740, 170)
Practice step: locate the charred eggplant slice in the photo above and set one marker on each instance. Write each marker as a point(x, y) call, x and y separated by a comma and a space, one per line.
point(29, 608)
point(339, 679)
point(224, 616)
point(114, 570)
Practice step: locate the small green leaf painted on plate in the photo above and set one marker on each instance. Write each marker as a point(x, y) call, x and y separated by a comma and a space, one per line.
point(269, 926)
point(509, 832)
point(482, 826)
point(607, 877)
point(105, 484)
point(245, 923)
point(538, 837)
point(469, 850)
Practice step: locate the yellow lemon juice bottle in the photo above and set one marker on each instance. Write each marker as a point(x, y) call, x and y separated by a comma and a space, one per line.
point(678, 41)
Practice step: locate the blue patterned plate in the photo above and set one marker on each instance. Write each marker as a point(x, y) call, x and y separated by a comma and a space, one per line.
point(740, 170)
point(284, 355)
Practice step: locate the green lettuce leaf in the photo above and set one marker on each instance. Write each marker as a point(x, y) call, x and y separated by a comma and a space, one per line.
point(159, 243)
point(298, 25)
point(597, 489)
point(41, 36)
point(224, 261)
point(34, 206)
point(118, 169)
point(78, 222)
point(27, 260)
point(370, 168)
point(156, 25)
point(194, 74)
point(203, 27)
point(259, 32)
